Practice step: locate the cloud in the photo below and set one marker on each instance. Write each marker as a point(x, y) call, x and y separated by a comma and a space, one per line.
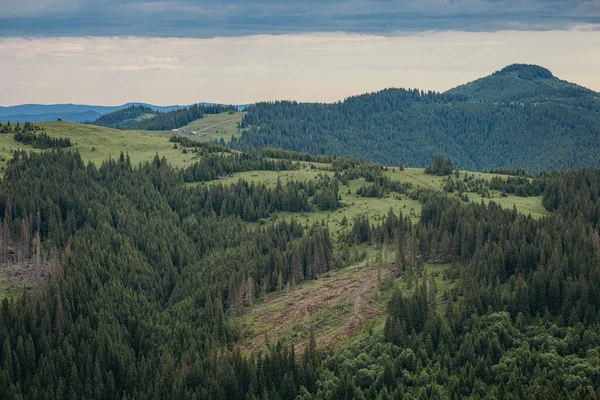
point(135, 67)
point(10, 9)
point(205, 19)
point(305, 67)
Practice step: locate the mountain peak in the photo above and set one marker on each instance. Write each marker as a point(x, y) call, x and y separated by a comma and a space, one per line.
point(525, 83)
point(526, 71)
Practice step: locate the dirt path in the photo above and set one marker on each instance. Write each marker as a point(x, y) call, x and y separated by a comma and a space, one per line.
point(218, 124)
point(420, 181)
point(336, 307)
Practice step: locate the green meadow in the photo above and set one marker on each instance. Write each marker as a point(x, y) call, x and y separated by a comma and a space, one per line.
point(210, 128)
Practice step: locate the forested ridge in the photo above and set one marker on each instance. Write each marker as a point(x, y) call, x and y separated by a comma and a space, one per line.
point(146, 275)
point(145, 118)
point(125, 117)
point(519, 117)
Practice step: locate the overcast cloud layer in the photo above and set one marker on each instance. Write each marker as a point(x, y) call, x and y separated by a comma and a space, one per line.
point(212, 18)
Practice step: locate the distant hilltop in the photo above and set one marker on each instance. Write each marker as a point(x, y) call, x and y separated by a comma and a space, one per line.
point(521, 116)
point(521, 83)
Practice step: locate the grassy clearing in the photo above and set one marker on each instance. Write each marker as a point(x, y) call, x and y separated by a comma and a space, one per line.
point(352, 205)
point(417, 177)
point(269, 178)
point(96, 143)
point(525, 205)
point(210, 128)
point(376, 208)
point(18, 278)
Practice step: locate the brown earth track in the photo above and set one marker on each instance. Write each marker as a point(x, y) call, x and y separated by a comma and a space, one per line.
point(299, 309)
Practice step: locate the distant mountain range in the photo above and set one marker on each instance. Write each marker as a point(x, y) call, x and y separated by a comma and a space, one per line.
point(519, 117)
point(73, 112)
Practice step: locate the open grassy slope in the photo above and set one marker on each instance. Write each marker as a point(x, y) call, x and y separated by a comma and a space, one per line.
point(211, 127)
point(375, 208)
point(97, 143)
point(352, 204)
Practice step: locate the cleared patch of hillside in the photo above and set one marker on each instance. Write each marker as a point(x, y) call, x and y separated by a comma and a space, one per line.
point(335, 306)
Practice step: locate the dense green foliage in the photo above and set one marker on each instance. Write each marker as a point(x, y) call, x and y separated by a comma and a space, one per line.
point(124, 118)
point(146, 274)
point(575, 194)
point(41, 140)
point(396, 127)
point(26, 127)
point(521, 322)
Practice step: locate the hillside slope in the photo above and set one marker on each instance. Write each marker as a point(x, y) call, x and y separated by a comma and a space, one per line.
point(149, 273)
point(397, 126)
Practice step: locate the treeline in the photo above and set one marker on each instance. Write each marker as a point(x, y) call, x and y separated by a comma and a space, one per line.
point(296, 156)
point(178, 118)
point(26, 127)
point(381, 186)
point(506, 171)
point(210, 147)
point(440, 166)
point(575, 194)
point(519, 185)
point(215, 165)
point(396, 127)
point(252, 202)
point(124, 118)
point(41, 140)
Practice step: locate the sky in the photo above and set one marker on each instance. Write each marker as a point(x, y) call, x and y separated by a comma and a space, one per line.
point(182, 52)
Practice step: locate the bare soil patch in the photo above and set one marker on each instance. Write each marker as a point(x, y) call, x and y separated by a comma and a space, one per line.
point(335, 306)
